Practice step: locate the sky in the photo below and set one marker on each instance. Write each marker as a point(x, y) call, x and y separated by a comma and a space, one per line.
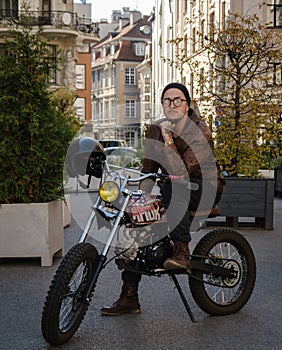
point(103, 8)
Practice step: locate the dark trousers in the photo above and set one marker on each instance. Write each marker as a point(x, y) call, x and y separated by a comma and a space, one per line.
point(179, 201)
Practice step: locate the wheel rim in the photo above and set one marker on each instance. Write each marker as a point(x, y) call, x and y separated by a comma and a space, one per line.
point(226, 290)
point(73, 299)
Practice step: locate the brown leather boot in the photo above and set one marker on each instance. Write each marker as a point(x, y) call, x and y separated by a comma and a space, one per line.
point(127, 303)
point(180, 258)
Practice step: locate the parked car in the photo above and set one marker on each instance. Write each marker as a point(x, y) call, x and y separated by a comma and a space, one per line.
point(123, 156)
point(113, 143)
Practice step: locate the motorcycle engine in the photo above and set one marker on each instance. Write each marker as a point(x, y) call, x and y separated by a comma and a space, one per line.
point(127, 246)
point(155, 255)
point(138, 251)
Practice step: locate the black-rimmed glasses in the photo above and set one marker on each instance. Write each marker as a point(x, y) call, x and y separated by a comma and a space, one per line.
point(177, 102)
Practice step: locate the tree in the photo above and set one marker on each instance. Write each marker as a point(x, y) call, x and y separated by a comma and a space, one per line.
point(240, 91)
point(35, 128)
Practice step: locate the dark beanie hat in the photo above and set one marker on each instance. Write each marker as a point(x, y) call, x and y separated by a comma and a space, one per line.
point(179, 87)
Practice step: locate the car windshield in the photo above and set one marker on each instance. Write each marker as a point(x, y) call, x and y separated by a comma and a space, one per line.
point(122, 156)
point(113, 143)
point(121, 152)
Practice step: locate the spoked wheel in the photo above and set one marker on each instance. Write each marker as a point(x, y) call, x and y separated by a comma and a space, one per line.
point(218, 294)
point(65, 304)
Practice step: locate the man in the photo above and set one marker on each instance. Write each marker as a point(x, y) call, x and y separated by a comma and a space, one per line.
point(179, 145)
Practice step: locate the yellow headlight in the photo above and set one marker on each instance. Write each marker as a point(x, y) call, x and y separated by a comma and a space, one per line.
point(109, 191)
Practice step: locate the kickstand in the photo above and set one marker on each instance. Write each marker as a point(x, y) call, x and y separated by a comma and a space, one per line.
point(185, 302)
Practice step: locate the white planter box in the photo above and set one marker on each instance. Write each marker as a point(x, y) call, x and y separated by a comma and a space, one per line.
point(32, 230)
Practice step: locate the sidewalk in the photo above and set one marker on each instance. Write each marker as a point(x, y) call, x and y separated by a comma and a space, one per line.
point(163, 323)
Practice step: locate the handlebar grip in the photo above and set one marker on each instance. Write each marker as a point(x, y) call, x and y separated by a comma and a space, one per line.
point(180, 179)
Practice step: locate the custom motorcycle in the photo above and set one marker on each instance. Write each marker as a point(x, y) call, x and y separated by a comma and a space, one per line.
point(223, 267)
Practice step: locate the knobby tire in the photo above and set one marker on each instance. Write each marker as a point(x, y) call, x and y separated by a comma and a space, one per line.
point(65, 292)
point(233, 294)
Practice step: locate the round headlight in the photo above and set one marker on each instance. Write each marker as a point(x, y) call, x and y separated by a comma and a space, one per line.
point(109, 191)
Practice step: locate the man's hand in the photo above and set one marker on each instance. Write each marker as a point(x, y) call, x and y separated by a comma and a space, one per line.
point(166, 130)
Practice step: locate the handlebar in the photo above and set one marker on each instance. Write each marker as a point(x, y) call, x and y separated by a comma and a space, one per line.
point(165, 177)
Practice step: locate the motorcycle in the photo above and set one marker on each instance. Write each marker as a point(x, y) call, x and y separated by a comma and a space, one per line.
point(223, 266)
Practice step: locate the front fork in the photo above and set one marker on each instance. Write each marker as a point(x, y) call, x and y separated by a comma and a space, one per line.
point(103, 255)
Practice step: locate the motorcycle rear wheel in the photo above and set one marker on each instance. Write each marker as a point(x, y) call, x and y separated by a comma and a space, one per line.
point(230, 250)
point(65, 305)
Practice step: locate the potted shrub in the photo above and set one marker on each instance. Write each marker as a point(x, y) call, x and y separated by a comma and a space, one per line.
point(36, 128)
point(239, 96)
point(247, 102)
point(276, 164)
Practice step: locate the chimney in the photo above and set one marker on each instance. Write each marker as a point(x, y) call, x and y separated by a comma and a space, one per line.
point(122, 22)
point(134, 16)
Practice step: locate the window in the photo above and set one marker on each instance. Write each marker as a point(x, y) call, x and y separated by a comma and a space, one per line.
point(139, 49)
point(185, 45)
point(212, 25)
point(223, 15)
point(192, 85)
point(80, 107)
point(104, 52)
point(112, 50)
point(53, 70)
point(277, 74)
point(202, 75)
point(80, 76)
point(274, 13)
point(130, 109)
point(99, 78)
point(106, 76)
point(193, 48)
point(185, 6)
point(9, 8)
point(129, 76)
point(202, 41)
point(113, 77)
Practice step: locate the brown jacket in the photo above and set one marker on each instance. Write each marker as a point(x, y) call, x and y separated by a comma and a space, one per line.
point(191, 154)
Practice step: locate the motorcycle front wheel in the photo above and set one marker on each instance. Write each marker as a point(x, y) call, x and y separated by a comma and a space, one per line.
point(65, 304)
point(218, 295)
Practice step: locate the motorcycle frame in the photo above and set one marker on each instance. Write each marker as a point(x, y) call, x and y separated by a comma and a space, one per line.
point(96, 210)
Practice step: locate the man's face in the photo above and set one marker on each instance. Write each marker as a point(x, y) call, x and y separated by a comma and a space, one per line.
point(173, 112)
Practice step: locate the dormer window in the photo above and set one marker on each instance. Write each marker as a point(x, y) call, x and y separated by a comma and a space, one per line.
point(146, 30)
point(139, 49)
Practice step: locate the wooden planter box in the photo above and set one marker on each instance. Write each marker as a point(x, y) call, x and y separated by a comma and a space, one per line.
point(246, 202)
point(32, 230)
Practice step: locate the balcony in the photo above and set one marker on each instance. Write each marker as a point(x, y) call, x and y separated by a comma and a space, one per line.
point(61, 23)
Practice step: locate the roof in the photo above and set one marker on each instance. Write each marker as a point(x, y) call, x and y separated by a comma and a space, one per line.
point(123, 39)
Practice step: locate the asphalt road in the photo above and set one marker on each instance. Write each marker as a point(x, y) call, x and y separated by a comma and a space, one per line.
point(163, 323)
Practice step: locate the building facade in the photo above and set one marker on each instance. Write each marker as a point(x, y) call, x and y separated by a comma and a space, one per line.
point(69, 34)
point(116, 95)
point(191, 20)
